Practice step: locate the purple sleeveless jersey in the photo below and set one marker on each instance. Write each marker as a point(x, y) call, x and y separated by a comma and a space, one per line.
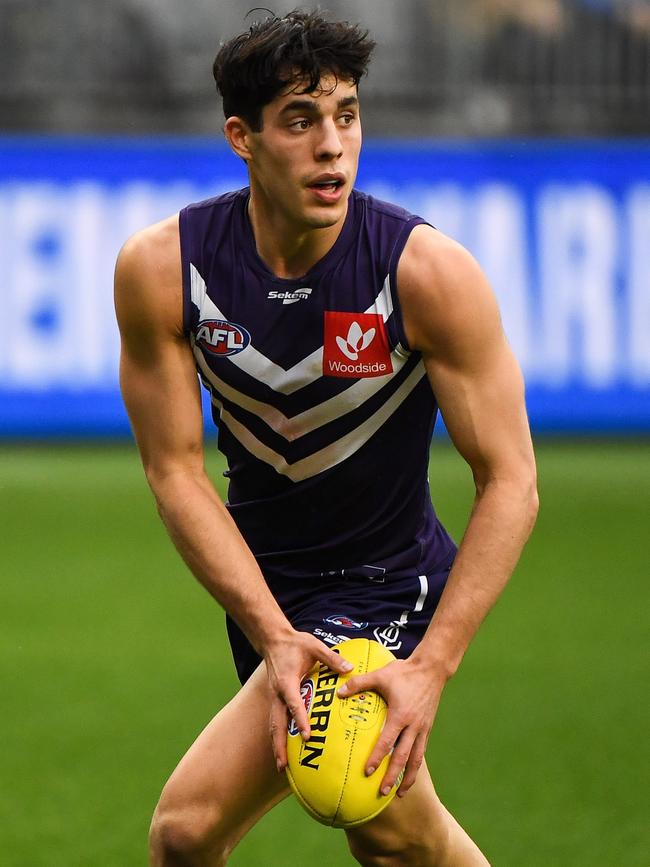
point(324, 414)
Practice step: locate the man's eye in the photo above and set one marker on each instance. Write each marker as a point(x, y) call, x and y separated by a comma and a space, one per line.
point(300, 124)
point(347, 118)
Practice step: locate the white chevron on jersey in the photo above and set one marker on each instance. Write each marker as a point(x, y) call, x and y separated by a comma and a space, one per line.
point(198, 289)
point(310, 419)
point(332, 454)
point(260, 367)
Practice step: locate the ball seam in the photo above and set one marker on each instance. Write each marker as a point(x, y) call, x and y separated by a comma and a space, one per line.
point(351, 750)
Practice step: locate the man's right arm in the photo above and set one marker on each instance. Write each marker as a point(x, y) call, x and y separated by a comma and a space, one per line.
point(161, 392)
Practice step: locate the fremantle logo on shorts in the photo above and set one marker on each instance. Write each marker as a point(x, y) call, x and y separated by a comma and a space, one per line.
point(219, 337)
point(345, 622)
point(390, 635)
point(307, 695)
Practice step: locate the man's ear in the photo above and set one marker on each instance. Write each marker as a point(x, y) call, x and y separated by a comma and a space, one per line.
point(238, 135)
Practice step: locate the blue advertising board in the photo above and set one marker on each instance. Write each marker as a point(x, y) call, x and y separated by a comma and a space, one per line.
point(562, 230)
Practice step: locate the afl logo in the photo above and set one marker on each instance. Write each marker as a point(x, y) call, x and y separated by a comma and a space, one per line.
point(221, 338)
point(307, 695)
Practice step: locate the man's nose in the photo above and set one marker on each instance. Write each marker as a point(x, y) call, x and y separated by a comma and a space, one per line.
point(329, 144)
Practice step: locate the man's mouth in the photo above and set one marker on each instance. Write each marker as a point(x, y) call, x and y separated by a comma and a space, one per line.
point(328, 184)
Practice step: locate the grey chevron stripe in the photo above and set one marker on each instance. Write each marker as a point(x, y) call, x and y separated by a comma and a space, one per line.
point(310, 419)
point(332, 454)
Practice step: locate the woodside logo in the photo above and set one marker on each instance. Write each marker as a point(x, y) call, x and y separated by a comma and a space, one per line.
point(355, 345)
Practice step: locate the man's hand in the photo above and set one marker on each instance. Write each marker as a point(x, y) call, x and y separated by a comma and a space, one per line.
point(287, 662)
point(412, 693)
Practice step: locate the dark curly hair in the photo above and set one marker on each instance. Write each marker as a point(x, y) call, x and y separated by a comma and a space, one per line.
point(301, 47)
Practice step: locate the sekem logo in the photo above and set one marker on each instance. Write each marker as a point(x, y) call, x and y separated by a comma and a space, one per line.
point(289, 297)
point(355, 345)
point(219, 337)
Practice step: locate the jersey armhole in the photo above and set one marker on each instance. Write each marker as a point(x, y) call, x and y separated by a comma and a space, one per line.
point(185, 269)
point(395, 255)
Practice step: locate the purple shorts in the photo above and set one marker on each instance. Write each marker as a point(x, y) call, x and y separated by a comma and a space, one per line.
point(395, 611)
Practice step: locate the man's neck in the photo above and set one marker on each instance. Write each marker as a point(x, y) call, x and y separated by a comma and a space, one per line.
point(287, 250)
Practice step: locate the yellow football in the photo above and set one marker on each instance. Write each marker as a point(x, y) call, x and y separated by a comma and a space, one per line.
point(326, 772)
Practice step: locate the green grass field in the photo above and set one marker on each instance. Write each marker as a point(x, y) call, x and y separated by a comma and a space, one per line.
point(113, 659)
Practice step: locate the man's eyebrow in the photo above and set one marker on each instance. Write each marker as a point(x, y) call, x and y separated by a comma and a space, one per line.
point(311, 106)
point(301, 105)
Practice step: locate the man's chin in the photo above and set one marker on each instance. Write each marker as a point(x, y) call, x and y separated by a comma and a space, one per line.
point(324, 218)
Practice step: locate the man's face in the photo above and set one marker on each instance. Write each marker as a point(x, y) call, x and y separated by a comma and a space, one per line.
point(304, 160)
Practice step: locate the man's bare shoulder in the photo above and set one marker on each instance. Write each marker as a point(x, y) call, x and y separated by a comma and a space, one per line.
point(437, 267)
point(443, 292)
point(148, 275)
point(154, 250)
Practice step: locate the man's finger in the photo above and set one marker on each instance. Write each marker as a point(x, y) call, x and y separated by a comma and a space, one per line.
point(413, 765)
point(333, 660)
point(397, 762)
point(358, 683)
point(383, 746)
point(296, 707)
point(278, 731)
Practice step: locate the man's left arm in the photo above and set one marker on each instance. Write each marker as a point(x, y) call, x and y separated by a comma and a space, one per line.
point(451, 316)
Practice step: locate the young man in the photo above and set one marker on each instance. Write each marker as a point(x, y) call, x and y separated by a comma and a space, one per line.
point(328, 327)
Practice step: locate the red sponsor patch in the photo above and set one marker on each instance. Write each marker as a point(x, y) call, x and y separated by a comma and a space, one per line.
point(355, 345)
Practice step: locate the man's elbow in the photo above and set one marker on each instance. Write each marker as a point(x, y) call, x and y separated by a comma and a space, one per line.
point(533, 503)
point(168, 479)
point(517, 490)
point(173, 489)
point(529, 494)
point(159, 486)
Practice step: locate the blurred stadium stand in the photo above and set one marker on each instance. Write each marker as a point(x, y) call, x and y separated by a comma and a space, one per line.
point(506, 123)
point(442, 67)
